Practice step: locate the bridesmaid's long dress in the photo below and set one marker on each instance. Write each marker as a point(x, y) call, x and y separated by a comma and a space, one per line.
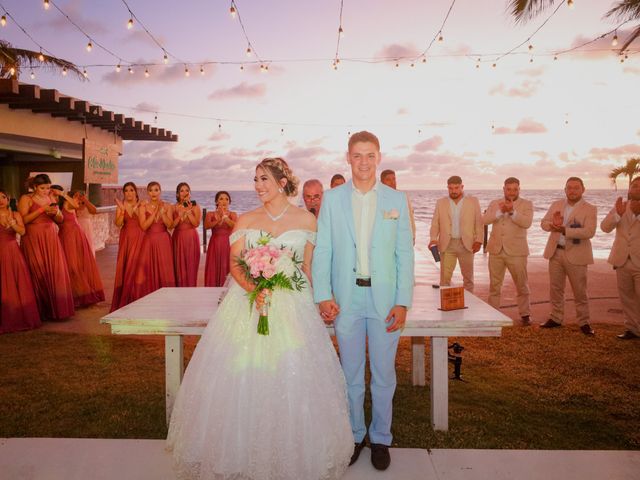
point(186, 253)
point(155, 269)
point(216, 267)
point(86, 283)
point(48, 266)
point(18, 306)
point(129, 248)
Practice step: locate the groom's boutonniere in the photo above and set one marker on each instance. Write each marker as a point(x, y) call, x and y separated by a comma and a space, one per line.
point(392, 214)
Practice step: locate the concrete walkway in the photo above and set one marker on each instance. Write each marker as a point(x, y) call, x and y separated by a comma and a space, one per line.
point(99, 459)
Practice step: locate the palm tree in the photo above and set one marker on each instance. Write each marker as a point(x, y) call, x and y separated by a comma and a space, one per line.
point(13, 60)
point(630, 169)
point(624, 10)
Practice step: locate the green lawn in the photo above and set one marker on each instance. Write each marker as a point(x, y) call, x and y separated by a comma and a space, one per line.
point(527, 389)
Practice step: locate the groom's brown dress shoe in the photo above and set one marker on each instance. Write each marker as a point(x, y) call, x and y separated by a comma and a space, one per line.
point(550, 324)
point(380, 457)
point(356, 451)
point(627, 335)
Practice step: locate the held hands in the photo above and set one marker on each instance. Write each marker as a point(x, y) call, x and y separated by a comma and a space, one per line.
point(329, 310)
point(397, 318)
point(621, 206)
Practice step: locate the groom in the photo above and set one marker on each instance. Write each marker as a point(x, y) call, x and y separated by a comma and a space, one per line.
point(363, 280)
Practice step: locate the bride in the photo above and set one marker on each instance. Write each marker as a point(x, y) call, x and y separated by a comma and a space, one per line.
point(264, 406)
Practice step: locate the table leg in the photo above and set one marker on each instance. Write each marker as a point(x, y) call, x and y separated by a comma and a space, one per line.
point(174, 368)
point(439, 384)
point(417, 364)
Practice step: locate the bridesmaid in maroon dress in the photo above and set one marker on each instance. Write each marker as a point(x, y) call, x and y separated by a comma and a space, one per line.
point(43, 251)
point(129, 247)
point(221, 223)
point(155, 269)
point(86, 283)
point(186, 242)
point(18, 306)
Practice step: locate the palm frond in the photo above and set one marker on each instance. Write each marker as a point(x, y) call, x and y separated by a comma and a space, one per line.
point(525, 10)
point(625, 10)
point(635, 34)
point(19, 58)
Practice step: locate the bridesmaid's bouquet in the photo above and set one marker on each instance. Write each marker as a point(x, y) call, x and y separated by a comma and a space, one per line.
point(270, 267)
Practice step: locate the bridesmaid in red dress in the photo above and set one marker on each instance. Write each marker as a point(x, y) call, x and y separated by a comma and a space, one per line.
point(221, 223)
point(186, 242)
point(155, 269)
point(86, 283)
point(18, 306)
point(129, 246)
point(43, 251)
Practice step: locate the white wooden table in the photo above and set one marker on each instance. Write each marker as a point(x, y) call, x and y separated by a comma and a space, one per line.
point(163, 313)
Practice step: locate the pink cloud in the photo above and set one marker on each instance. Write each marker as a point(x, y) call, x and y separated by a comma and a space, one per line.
point(73, 9)
point(147, 107)
point(396, 50)
point(141, 37)
point(602, 47)
point(632, 70)
point(218, 136)
point(429, 144)
point(525, 90)
point(532, 72)
point(502, 131)
point(528, 125)
point(402, 111)
point(242, 90)
point(623, 150)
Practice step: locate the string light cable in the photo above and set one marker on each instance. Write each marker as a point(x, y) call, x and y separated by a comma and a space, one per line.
point(235, 11)
point(438, 35)
point(336, 58)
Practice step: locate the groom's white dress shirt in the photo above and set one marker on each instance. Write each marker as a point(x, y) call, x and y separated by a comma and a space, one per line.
point(364, 214)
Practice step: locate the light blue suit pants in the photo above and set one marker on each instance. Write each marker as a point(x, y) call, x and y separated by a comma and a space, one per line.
point(354, 325)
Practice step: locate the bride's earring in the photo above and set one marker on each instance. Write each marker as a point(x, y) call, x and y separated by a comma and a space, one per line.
point(281, 190)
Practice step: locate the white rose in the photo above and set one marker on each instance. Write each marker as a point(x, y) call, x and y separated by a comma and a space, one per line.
point(285, 265)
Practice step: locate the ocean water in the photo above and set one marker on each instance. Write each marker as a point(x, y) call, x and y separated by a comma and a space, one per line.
point(424, 201)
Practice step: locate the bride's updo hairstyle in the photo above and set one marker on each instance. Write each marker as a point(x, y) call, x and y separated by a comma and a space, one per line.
point(279, 169)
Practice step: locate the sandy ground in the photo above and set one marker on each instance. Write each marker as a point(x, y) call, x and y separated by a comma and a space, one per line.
point(603, 295)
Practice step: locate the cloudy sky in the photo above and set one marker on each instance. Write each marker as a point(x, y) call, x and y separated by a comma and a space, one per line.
point(530, 116)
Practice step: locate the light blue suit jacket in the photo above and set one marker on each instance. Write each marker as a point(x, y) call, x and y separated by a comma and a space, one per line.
point(390, 256)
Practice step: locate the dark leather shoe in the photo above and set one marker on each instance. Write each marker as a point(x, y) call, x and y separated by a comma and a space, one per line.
point(380, 457)
point(550, 324)
point(526, 320)
point(627, 335)
point(587, 330)
point(356, 451)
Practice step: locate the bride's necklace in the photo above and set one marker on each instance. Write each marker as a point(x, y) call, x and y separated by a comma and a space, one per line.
point(275, 218)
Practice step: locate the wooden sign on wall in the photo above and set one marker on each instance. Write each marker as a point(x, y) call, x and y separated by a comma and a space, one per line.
point(100, 162)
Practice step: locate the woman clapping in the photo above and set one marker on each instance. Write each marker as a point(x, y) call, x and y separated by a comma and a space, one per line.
point(186, 243)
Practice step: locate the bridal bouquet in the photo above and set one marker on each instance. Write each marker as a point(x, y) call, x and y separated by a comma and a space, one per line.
point(270, 267)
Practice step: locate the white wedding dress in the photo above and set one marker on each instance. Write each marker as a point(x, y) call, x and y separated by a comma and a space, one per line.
point(263, 407)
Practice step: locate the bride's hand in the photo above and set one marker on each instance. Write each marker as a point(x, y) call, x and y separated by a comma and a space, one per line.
point(262, 298)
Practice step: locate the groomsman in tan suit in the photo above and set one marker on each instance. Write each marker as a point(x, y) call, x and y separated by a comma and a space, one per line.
point(572, 223)
point(457, 230)
point(625, 256)
point(510, 218)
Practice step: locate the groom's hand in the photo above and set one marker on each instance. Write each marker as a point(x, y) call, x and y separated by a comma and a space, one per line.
point(397, 317)
point(329, 310)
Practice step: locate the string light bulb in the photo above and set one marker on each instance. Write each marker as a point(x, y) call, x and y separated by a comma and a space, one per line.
point(614, 42)
point(12, 71)
point(64, 71)
point(494, 65)
point(118, 67)
point(530, 47)
point(33, 75)
point(89, 46)
point(412, 65)
point(186, 71)
point(155, 118)
point(570, 4)
point(337, 60)
point(424, 59)
point(334, 65)
point(201, 70)
point(46, 4)
point(440, 37)
point(165, 59)
point(341, 31)
point(248, 51)
point(242, 68)
point(232, 11)
point(397, 64)
point(146, 73)
point(3, 20)
point(130, 24)
point(130, 70)
point(41, 56)
point(85, 73)
point(531, 60)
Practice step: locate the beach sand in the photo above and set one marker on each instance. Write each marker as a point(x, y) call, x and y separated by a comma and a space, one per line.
point(603, 295)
